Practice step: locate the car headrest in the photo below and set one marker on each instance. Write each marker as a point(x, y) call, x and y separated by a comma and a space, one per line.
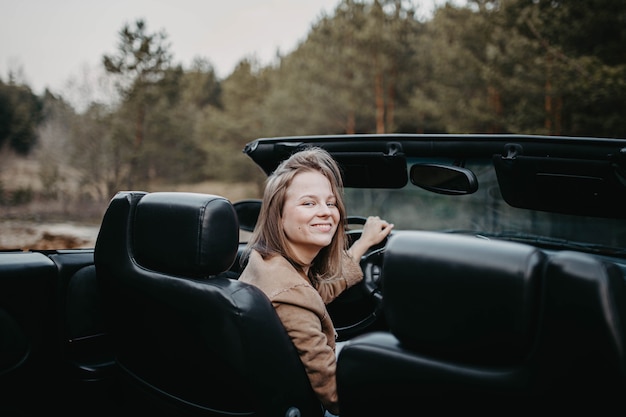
point(462, 298)
point(187, 234)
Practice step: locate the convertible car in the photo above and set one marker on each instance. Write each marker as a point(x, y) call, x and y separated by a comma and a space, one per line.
point(501, 290)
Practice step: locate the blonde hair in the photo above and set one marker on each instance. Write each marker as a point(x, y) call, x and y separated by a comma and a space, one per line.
point(269, 237)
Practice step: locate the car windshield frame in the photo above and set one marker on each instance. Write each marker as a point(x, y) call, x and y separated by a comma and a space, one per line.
point(486, 214)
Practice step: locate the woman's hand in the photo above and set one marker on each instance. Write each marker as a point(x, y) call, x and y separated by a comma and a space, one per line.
point(374, 231)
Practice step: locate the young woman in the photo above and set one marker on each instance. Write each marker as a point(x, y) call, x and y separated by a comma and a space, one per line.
point(298, 257)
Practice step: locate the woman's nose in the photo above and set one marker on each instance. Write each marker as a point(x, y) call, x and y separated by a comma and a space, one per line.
point(323, 210)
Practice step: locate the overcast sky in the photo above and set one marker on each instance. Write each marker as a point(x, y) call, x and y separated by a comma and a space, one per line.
point(52, 41)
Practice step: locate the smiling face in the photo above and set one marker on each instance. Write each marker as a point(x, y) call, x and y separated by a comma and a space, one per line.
point(310, 215)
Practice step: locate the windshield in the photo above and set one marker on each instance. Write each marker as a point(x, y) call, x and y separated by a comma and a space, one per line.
point(483, 213)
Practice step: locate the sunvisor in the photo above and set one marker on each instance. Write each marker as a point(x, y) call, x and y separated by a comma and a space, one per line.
point(568, 186)
point(372, 169)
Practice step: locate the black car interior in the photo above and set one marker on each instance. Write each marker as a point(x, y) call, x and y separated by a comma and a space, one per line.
point(188, 341)
point(497, 328)
point(27, 328)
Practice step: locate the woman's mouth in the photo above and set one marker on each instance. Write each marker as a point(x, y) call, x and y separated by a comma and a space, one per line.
point(323, 227)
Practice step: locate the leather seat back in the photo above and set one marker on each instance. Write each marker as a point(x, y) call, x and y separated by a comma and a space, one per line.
point(490, 327)
point(189, 341)
point(463, 315)
point(582, 345)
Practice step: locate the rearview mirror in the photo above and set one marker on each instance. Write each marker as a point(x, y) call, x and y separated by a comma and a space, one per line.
point(444, 179)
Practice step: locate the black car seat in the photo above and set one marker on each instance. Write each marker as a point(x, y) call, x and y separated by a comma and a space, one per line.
point(463, 317)
point(489, 328)
point(187, 340)
point(582, 345)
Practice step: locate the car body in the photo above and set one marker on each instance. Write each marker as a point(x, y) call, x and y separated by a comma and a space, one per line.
point(502, 279)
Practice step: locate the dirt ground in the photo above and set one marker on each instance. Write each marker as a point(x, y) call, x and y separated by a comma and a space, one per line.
point(18, 234)
point(18, 231)
point(31, 227)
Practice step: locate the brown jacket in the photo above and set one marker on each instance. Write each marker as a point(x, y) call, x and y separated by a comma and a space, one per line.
point(302, 310)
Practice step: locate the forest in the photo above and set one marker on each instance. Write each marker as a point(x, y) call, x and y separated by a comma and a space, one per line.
point(546, 67)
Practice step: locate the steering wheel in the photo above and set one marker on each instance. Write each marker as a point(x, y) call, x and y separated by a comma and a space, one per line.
point(371, 261)
point(356, 220)
point(366, 296)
